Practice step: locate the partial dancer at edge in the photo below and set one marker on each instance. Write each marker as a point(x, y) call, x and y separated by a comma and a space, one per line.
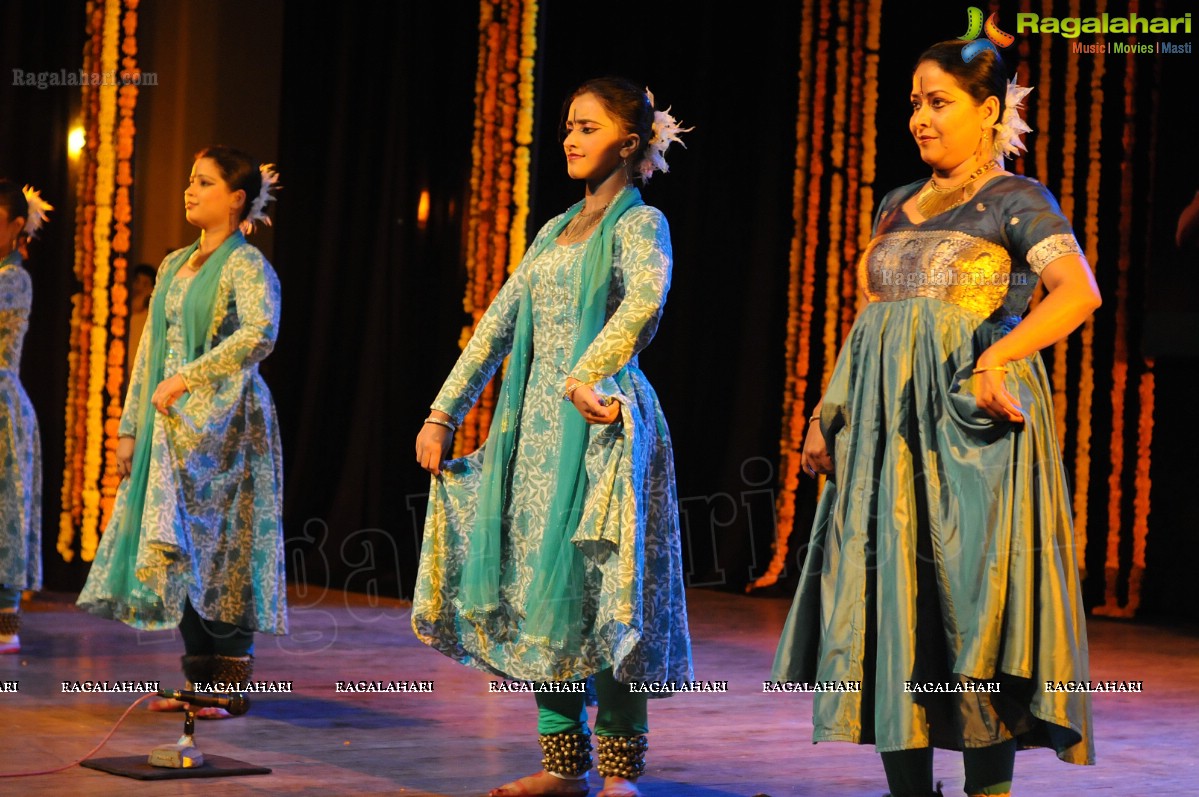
point(942, 551)
point(196, 535)
point(22, 214)
point(552, 553)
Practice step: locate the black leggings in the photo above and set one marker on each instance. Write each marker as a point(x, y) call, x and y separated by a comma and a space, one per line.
point(211, 637)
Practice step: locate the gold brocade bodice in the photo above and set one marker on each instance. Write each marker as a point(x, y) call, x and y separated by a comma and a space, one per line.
point(966, 270)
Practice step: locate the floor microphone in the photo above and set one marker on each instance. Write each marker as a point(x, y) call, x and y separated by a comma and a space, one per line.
point(235, 703)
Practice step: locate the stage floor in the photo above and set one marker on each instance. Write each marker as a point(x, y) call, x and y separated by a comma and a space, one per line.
point(461, 740)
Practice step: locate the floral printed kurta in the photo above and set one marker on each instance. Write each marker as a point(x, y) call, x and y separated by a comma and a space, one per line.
point(633, 612)
point(20, 447)
point(212, 525)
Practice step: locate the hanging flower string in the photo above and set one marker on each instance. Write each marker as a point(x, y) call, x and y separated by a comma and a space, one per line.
point(500, 167)
point(810, 126)
point(100, 308)
point(1086, 381)
point(72, 482)
point(93, 454)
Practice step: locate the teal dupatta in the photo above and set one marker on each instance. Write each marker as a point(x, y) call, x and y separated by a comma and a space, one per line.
point(553, 615)
point(199, 306)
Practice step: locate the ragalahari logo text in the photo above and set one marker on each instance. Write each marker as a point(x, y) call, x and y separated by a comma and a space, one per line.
point(975, 26)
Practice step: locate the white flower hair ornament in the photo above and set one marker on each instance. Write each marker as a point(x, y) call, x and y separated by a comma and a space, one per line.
point(39, 211)
point(666, 132)
point(1008, 129)
point(270, 182)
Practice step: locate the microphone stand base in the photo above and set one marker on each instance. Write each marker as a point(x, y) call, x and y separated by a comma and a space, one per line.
point(175, 756)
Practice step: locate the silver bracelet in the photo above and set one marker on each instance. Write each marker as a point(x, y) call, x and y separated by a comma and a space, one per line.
point(440, 422)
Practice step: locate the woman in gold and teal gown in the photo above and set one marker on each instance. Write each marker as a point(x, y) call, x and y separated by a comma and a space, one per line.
point(942, 553)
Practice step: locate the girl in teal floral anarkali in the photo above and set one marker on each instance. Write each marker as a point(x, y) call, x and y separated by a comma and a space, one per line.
point(21, 214)
point(196, 535)
point(941, 574)
point(552, 554)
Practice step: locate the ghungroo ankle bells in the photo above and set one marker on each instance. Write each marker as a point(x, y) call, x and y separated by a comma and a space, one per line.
point(230, 670)
point(566, 753)
point(622, 756)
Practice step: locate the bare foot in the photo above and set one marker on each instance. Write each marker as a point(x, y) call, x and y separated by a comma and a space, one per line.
point(545, 784)
point(213, 713)
point(619, 787)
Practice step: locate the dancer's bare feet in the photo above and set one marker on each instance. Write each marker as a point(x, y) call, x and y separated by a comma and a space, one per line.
point(619, 787)
point(213, 713)
point(543, 783)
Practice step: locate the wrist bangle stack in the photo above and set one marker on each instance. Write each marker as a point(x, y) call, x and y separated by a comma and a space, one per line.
point(447, 424)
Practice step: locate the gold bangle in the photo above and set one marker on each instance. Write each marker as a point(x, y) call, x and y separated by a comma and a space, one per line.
point(815, 417)
point(990, 368)
point(570, 391)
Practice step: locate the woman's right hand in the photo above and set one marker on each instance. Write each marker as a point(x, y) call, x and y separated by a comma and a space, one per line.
point(125, 447)
point(433, 444)
point(815, 458)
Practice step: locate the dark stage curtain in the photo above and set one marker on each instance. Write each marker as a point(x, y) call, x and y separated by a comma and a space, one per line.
point(373, 302)
point(45, 37)
point(377, 105)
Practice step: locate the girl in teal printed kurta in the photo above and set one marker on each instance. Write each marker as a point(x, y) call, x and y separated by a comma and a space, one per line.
point(552, 554)
point(21, 214)
point(196, 537)
point(942, 555)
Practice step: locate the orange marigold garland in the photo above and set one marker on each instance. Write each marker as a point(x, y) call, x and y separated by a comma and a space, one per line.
point(834, 262)
point(809, 169)
point(851, 244)
point(1145, 390)
point(1065, 195)
point(1086, 388)
point(500, 158)
point(1143, 484)
point(93, 454)
point(103, 214)
point(1111, 566)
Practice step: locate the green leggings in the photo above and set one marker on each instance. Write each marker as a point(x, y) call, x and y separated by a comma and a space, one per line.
point(620, 712)
point(989, 770)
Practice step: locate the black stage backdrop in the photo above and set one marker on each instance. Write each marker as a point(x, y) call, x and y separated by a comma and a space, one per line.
point(45, 37)
point(377, 105)
point(373, 303)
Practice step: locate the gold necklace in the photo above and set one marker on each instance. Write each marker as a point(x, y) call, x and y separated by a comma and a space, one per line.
point(578, 227)
point(934, 199)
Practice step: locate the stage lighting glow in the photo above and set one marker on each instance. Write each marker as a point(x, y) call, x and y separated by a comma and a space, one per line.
point(422, 208)
point(75, 141)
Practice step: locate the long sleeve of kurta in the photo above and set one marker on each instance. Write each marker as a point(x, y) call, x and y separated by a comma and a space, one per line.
point(489, 344)
point(130, 413)
point(642, 265)
point(254, 291)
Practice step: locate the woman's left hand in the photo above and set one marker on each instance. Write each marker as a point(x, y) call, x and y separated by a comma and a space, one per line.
point(992, 396)
point(589, 406)
point(167, 393)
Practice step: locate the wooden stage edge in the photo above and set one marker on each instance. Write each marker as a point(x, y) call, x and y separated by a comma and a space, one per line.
point(462, 739)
